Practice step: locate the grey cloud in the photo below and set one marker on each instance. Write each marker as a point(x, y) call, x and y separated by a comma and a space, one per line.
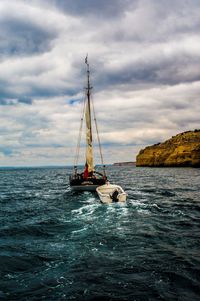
point(13, 101)
point(49, 144)
point(158, 71)
point(144, 69)
point(40, 91)
point(7, 102)
point(25, 100)
point(35, 91)
point(20, 37)
point(8, 97)
point(103, 8)
point(153, 21)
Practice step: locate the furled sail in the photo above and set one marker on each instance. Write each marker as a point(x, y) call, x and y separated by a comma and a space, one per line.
point(89, 148)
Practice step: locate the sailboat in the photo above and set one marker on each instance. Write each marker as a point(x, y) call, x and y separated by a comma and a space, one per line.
point(89, 179)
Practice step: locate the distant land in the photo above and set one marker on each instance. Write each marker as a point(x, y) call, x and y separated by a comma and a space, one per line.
point(182, 150)
point(124, 164)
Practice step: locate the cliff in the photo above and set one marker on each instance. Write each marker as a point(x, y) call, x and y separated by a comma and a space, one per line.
point(181, 150)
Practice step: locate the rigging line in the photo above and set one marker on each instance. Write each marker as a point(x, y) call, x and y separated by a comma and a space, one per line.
point(79, 135)
point(96, 126)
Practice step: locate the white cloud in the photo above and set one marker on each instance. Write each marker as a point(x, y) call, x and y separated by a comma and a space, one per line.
point(144, 68)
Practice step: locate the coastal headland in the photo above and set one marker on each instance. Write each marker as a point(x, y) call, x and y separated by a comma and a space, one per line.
point(182, 150)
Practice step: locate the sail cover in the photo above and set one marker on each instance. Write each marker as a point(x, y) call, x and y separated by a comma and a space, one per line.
point(89, 149)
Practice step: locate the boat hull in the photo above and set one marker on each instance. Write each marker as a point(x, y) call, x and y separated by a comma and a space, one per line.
point(84, 188)
point(108, 200)
point(105, 193)
point(86, 185)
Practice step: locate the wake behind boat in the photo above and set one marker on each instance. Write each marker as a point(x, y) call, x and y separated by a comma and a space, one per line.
point(89, 178)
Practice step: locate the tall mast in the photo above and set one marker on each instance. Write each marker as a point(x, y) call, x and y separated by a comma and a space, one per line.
point(89, 147)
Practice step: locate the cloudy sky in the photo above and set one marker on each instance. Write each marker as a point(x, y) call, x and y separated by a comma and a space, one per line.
point(145, 71)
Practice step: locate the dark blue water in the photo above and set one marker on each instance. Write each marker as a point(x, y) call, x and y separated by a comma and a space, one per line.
point(60, 245)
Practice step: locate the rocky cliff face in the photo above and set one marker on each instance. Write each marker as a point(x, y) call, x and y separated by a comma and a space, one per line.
point(181, 150)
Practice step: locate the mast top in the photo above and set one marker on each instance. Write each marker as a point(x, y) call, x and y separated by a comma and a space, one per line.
point(88, 75)
point(86, 60)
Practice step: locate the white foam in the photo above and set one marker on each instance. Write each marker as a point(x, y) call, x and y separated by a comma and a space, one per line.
point(85, 210)
point(80, 230)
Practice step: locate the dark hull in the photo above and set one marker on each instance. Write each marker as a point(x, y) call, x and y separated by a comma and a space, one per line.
point(89, 184)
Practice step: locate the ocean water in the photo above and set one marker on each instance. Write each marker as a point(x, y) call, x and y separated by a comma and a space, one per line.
point(56, 244)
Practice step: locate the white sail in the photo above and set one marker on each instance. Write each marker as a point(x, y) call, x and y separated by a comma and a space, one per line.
point(89, 148)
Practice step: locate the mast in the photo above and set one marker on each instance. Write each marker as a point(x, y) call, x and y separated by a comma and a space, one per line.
point(89, 148)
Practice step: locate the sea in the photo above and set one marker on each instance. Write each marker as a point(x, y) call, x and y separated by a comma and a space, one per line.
point(56, 244)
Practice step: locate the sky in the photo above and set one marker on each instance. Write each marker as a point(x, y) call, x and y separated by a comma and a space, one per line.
point(144, 58)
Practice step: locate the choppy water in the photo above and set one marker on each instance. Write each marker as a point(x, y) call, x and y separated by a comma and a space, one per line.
point(60, 245)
